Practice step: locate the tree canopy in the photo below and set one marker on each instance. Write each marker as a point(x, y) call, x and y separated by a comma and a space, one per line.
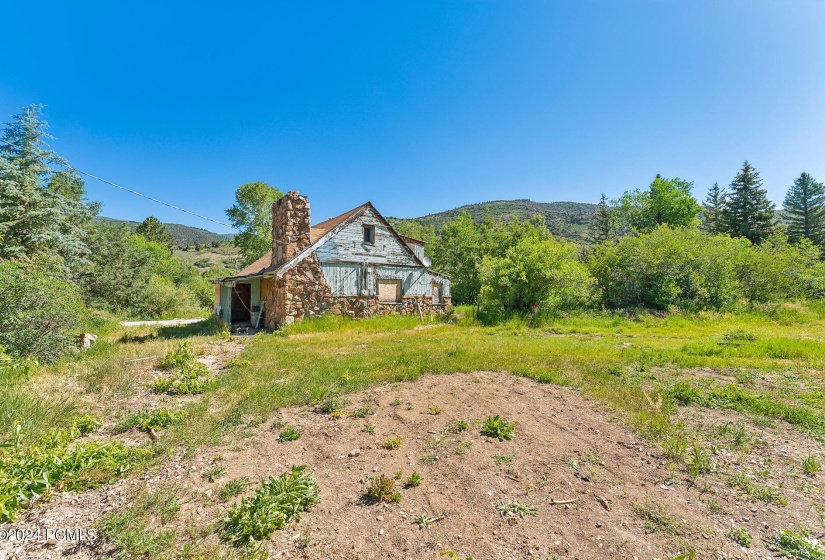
point(252, 216)
point(664, 202)
point(747, 211)
point(804, 210)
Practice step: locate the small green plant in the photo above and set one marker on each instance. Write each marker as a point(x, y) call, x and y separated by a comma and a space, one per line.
point(330, 404)
point(233, 488)
point(811, 465)
point(656, 518)
point(86, 423)
point(795, 545)
point(424, 521)
point(435, 410)
point(413, 480)
point(368, 428)
point(382, 489)
point(714, 506)
point(398, 475)
point(739, 334)
point(515, 507)
point(214, 473)
point(277, 502)
point(364, 411)
point(758, 492)
point(397, 402)
point(392, 443)
point(463, 447)
point(409, 406)
point(429, 458)
point(741, 536)
point(147, 419)
point(278, 424)
point(189, 377)
point(289, 434)
point(182, 355)
point(573, 463)
point(498, 427)
point(503, 459)
point(457, 427)
point(700, 463)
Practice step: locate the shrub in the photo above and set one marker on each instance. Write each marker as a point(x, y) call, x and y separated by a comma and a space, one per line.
point(277, 502)
point(498, 427)
point(382, 489)
point(39, 309)
point(535, 275)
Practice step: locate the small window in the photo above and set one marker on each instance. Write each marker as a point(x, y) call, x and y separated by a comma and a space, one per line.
point(369, 234)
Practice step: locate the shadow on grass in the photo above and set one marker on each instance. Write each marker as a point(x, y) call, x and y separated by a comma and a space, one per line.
point(208, 327)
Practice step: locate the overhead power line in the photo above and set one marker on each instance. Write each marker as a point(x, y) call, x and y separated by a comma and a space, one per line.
point(132, 191)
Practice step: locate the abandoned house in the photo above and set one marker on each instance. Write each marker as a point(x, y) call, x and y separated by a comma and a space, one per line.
point(355, 264)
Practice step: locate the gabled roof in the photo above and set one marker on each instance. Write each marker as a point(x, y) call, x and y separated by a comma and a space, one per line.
point(318, 235)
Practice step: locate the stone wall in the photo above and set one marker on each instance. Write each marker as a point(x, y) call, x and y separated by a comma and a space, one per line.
point(301, 292)
point(358, 307)
point(290, 227)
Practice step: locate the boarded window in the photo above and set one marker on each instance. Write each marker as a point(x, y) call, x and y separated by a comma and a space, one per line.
point(389, 291)
point(438, 292)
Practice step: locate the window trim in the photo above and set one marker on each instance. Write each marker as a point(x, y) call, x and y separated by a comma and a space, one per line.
point(364, 229)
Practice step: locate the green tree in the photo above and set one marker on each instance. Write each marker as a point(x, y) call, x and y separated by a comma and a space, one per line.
point(665, 202)
point(602, 227)
point(152, 229)
point(458, 251)
point(35, 219)
point(712, 209)
point(748, 213)
point(804, 211)
point(252, 216)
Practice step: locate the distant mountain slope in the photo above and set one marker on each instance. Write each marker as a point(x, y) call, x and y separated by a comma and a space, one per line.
point(183, 235)
point(565, 219)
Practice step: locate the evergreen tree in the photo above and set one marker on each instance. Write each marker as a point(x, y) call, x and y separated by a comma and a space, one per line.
point(804, 210)
point(748, 213)
point(152, 229)
point(712, 209)
point(36, 220)
point(601, 228)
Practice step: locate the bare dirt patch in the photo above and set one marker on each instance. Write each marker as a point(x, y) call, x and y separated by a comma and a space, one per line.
point(590, 479)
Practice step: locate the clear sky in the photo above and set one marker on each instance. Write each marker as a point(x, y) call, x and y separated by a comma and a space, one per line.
point(418, 106)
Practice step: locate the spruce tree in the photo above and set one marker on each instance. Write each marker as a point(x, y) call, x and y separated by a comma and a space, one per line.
point(712, 208)
point(804, 210)
point(152, 229)
point(601, 228)
point(748, 212)
point(36, 220)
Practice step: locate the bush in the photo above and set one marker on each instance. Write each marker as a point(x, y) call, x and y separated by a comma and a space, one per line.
point(40, 308)
point(535, 274)
point(668, 268)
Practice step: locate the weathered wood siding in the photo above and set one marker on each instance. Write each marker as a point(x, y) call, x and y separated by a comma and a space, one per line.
point(226, 303)
point(348, 245)
point(418, 249)
point(349, 279)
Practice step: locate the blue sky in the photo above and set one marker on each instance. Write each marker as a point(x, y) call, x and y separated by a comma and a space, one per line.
point(418, 106)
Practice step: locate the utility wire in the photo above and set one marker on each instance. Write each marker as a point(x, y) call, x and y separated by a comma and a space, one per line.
point(121, 187)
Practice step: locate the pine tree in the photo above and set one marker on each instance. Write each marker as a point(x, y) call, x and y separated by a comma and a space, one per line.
point(712, 210)
point(601, 228)
point(804, 210)
point(35, 220)
point(152, 229)
point(748, 213)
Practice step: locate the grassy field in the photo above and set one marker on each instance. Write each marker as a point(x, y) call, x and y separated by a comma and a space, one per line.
point(765, 365)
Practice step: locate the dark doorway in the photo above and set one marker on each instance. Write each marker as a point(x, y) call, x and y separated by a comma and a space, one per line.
point(241, 303)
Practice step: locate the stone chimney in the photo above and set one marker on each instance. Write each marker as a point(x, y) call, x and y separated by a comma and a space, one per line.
point(290, 227)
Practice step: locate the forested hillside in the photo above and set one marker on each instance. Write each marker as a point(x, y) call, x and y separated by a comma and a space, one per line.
point(182, 235)
point(564, 219)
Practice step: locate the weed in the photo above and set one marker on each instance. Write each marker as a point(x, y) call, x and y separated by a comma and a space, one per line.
point(739, 334)
point(503, 459)
point(214, 473)
point(463, 447)
point(757, 492)
point(189, 376)
point(148, 419)
point(289, 434)
point(795, 545)
point(277, 502)
point(181, 356)
point(368, 428)
point(413, 480)
point(233, 488)
point(397, 402)
point(700, 463)
point(457, 427)
point(278, 424)
point(573, 463)
point(435, 410)
point(811, 465)
point(424, 521)
point(655, 518)
point(684, 394)
point(409, 406)
point(714, 506)
point(392, 442)
point(382, 489)
point(364, 411)
point(331, 403)
point(429, 459)
point(515, 507)
point(741, 536)
point(498, 427)
point(398, 475)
